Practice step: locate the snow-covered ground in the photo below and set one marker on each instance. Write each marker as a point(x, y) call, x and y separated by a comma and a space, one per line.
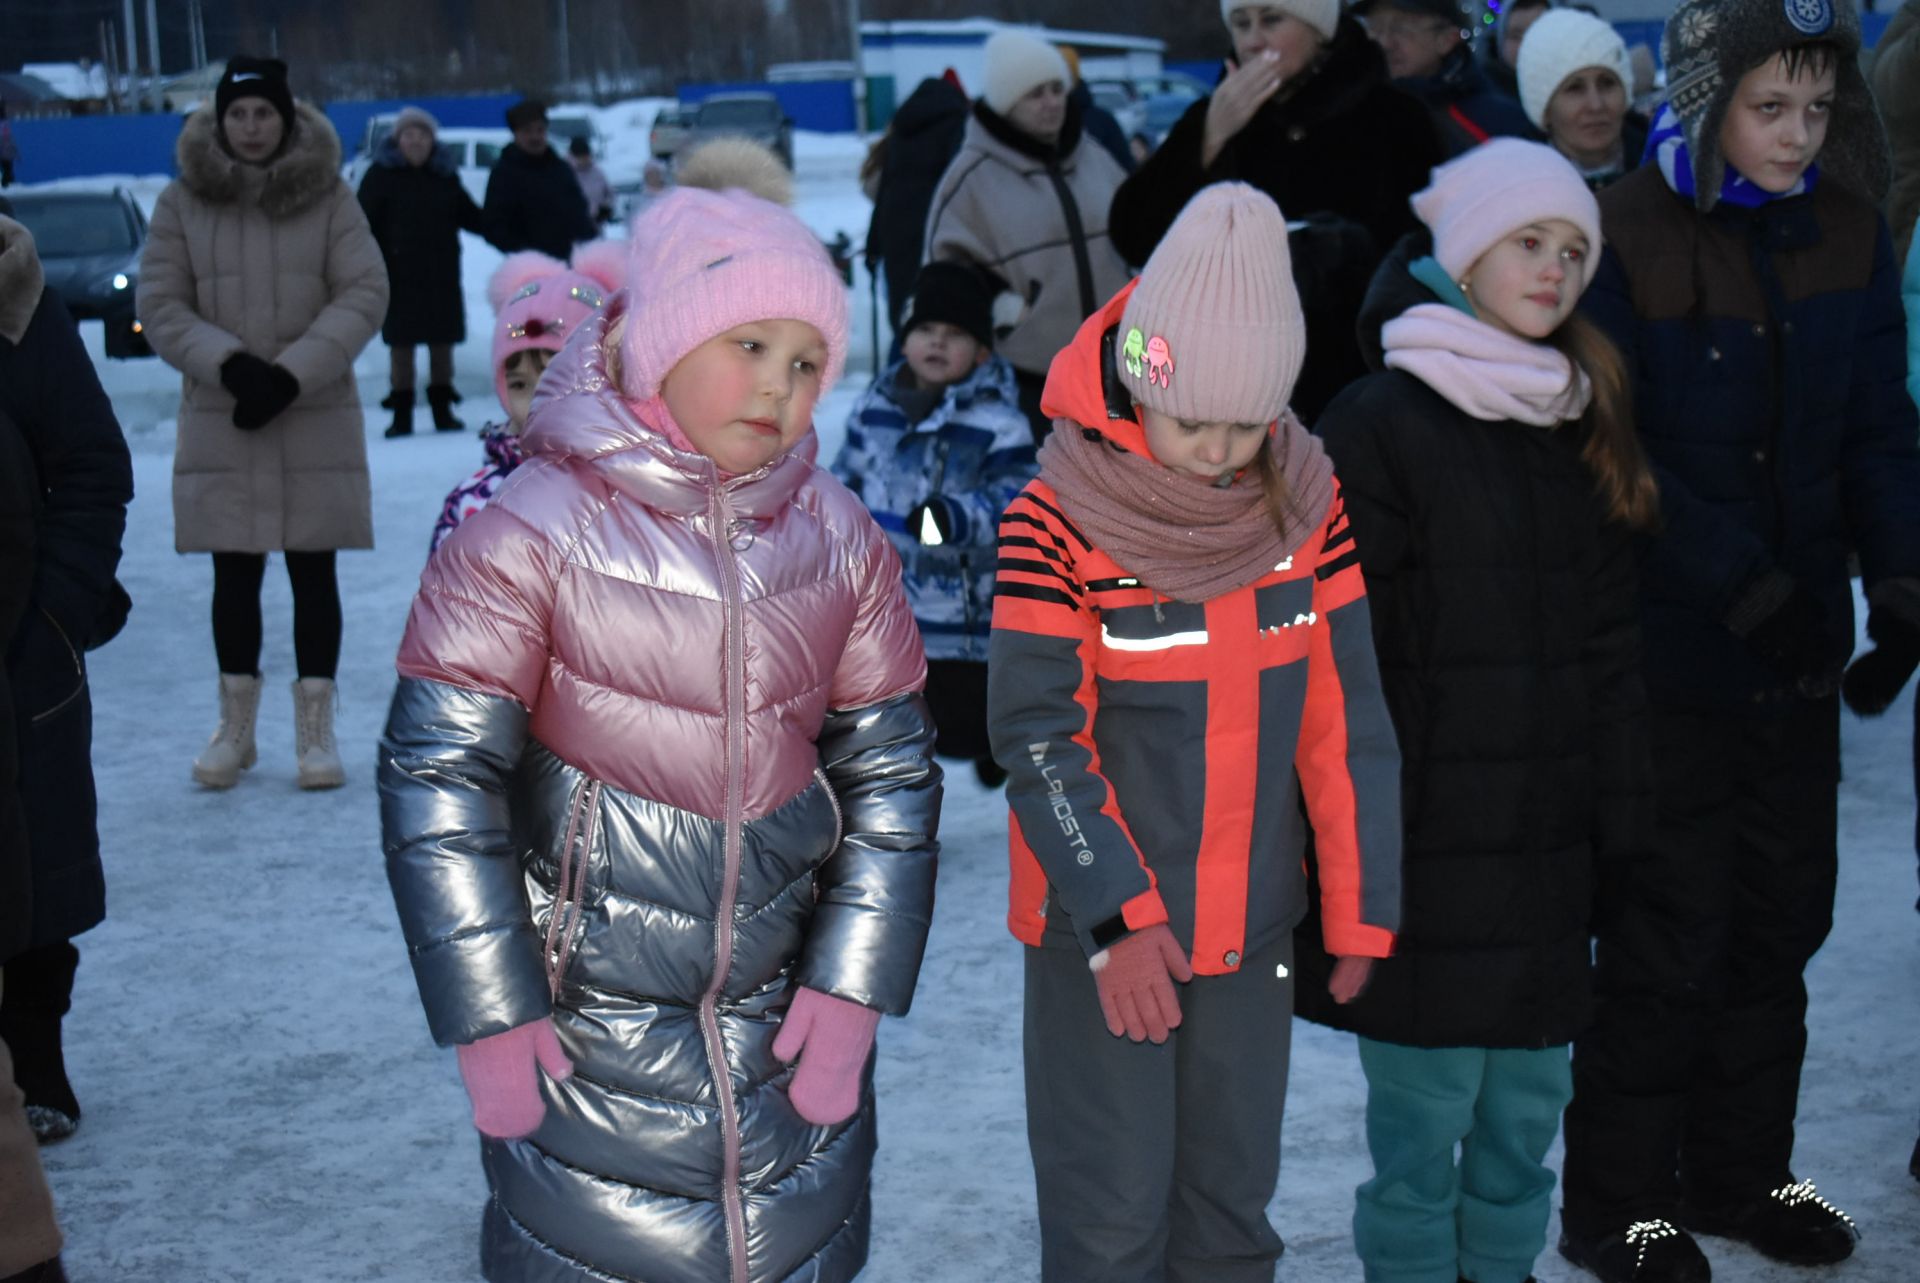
point(263, 1102)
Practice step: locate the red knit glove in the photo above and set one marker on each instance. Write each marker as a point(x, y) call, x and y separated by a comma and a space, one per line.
point(832, 1037)
point(1135, 978)
point(502, 1081)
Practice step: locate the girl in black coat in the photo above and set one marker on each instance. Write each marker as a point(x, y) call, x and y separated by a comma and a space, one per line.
point(417, 209)
point(1493, 479)
point(82, 480)
point(1305, 113)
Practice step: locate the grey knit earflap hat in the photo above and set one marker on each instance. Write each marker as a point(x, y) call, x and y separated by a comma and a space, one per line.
point(1709, 44)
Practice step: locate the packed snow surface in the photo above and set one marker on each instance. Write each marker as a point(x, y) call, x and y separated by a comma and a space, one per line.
point(262, 1102)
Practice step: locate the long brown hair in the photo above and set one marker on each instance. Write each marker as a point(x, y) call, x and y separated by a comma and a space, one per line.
point(1273, 483)
point(1612, 451)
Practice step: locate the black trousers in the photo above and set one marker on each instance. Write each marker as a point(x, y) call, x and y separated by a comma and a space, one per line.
point(1156, 1164)
point(1687, 1084)
point(957, 698)
point(316, 611)
point(36, 996)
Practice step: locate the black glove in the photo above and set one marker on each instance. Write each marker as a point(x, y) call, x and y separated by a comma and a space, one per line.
point(261, 390)
point(1782, 624)
point(936, 508)
point(1876, 678)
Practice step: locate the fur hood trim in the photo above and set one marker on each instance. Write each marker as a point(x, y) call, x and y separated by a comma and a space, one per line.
point(305, 171)
point(21, 280)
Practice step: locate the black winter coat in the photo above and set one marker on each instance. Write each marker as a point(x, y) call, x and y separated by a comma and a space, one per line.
point(84, 481)
point(17, 503)
point(417, 214)
point(535, 202)
point(1769, 353)
point(922, 141)
point(1346, 150)
point(1505, 623)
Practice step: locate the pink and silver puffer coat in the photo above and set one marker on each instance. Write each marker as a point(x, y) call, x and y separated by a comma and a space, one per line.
point(658, 755)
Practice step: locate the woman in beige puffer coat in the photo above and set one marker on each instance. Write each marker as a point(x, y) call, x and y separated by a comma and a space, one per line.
point(261, 283)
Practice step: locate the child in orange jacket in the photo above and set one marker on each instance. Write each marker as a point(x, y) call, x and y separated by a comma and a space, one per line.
point(1180, 656)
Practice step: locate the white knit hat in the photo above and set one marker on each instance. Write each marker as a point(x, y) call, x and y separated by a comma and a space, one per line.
point(1322, 15)
point(1213, 332)
point(1559, 43)
point(1019, 62)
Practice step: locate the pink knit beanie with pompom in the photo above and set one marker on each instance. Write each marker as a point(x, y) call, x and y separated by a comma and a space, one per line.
point(704, 262)
point(539, 302)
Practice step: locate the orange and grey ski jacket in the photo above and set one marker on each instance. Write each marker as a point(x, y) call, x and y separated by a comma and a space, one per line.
point(1158, 751)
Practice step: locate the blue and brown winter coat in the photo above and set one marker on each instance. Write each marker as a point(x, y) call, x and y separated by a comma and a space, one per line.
point(1769, 355)
point(1507, 629)
point(975, 451)
point(1158, 751)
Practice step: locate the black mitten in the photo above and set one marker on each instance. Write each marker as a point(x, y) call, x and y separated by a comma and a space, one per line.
point(282, 391)
point(1782, 624)
point(1874, 680)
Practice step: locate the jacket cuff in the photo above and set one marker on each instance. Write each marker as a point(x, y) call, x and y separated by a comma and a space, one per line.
point(1357, 940)
point(1897, 597)
point(482, 984)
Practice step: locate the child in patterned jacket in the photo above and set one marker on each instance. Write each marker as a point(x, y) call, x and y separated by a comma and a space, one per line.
point(538, 303)
point(936, 447)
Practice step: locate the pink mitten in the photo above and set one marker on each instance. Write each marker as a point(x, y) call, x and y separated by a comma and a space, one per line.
point(501, 1080)
point(1135, 978)
point(832, 1038)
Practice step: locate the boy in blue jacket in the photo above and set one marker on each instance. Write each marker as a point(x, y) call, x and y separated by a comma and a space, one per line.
point(936, 448)
point(1750, 282)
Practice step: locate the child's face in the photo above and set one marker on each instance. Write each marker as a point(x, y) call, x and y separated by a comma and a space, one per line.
point(1528, 283)
point(1207, 451)
point(939, 354)
point(1776, 123)
point(523, 375)
point(745, 397)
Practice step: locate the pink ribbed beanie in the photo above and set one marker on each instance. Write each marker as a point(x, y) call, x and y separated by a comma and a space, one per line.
point(538, 302)
point(704, 262)
point(1213, 332)
point(1475, 200)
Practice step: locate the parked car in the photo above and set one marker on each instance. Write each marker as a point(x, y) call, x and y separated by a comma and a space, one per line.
point(1160, 112)
point(758, 116)
point(565, 126)
point(669, 131)
point(1122, 101)
point(89, 244)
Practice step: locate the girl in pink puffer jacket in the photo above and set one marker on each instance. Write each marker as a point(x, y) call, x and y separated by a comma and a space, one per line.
point(657, 791)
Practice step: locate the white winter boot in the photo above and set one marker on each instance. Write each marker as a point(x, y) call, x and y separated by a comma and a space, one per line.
point(230, 751)
point(313, 734)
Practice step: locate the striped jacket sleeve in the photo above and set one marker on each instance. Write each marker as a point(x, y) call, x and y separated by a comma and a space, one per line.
point(1348, 759)
point(1041, 704)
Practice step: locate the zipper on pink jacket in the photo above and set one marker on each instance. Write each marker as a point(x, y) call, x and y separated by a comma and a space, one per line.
point(720, 530)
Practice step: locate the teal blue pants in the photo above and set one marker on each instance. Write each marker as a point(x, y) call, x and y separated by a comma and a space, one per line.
point(1429, 1217)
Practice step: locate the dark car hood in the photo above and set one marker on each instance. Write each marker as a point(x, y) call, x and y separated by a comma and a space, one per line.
point(71, 276)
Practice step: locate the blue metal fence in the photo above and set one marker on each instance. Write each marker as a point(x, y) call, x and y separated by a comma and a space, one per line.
point(80, 146)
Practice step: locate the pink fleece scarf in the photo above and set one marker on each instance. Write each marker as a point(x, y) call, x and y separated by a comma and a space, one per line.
point(1487, 373)
point(1178, 535)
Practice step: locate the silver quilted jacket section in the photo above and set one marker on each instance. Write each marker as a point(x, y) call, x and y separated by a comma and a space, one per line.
point(673, 1154)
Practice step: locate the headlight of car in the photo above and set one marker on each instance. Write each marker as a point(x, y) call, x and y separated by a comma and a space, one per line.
point(120, 281)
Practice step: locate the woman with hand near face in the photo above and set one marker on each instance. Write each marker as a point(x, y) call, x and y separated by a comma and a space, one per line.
point(1305, 113)
point(1574, 78)
point(260, 284)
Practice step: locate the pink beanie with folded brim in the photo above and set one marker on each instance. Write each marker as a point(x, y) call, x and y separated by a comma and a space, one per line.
point(704, 262)
point(1213, 332)
point(539, 303)
point(1474, 201)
